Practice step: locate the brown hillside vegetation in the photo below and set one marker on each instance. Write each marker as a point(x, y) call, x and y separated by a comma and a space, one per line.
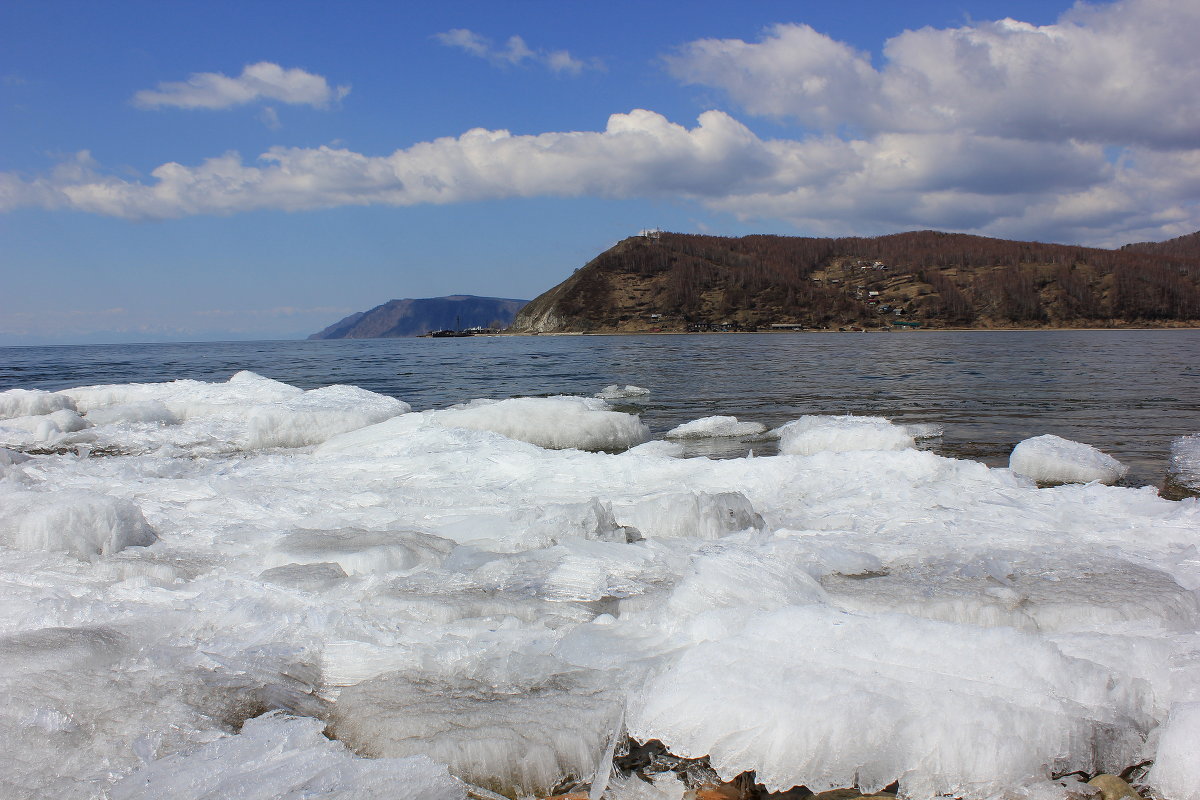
point(1187, 246)
point(679, 282)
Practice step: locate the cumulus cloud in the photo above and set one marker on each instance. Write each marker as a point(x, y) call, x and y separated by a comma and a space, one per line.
point(1057, 190)
point(1123, 73)
point(639, 153)
point(515, 52)
point(261, 81)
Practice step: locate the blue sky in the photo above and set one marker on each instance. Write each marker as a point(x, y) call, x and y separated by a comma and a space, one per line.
point(258, 170)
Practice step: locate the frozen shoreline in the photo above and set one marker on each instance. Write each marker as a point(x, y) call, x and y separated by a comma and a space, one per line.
point(434, 585)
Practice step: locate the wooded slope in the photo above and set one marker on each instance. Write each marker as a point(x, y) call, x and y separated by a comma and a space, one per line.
point(677, 282)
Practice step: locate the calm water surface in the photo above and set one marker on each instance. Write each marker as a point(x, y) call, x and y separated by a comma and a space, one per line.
point(1129, 393)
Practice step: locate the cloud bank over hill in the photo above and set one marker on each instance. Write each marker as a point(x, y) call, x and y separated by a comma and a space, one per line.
point(1080, 131)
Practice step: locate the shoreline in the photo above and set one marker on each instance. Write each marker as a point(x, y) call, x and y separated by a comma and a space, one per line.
point(827, 330)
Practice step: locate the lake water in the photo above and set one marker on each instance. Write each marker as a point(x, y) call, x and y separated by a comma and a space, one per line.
point(1130, 393)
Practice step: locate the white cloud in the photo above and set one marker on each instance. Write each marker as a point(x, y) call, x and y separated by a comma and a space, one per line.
point(270, 118)
point(563, 61)
point(639, 153)
point(1124, 73)
point(515, 52)
point(1064, 191)
point(261, 81)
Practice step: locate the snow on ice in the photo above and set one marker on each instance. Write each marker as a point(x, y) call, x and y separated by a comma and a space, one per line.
point(202, 579)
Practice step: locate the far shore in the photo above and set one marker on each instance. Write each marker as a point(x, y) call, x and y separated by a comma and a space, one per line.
point(828, 330)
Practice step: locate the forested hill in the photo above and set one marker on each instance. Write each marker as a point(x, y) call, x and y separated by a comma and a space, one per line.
point(416, 317)
point(678, 282)
point(1187, 246)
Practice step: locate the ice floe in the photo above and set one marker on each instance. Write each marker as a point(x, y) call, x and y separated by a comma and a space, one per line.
point(618, 392)
point(1052, 459)
point(556, 422)
point(816, 433)
point(1184, 466)
point(715, 427)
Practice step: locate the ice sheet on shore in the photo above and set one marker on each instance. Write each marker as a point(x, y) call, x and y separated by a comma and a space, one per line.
point(247, 412)
point(436, 589)
point(32, 402)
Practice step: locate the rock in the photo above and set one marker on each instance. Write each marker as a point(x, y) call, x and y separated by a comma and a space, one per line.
point(1113, 788)
point(724, 791)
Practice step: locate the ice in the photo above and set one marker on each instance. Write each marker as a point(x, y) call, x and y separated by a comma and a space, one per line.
point(693, 515)
point(553, 422)
point(9, 458)
point(44, 431)
point(517, 743)
point(314, 416)
point(924, 430)
point(657, 447)
point(741, 577)
point(715, 427)
point(816, 433)
point(359, 552)
point(82, 524)
point(149, 411)
point(1052, 459)
point(32, 402)
point(657, 787)
point(60, 649)
point(247, 412)
point(863, 700)
point(1044, 593)
point(1176, 770)
point(277, 757)
point(618, 392)
point(312, 577)
point(839, 614)
point(1184, 466)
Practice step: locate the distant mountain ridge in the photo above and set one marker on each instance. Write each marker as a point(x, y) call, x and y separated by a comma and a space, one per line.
point(418, 316)
point(661, 281)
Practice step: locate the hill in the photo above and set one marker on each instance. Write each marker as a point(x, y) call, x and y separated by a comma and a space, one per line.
point(416, 317)
point(1186, 246)
point(679, 282)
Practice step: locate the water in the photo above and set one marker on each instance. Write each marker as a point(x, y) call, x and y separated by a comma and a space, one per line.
point(1130, 393)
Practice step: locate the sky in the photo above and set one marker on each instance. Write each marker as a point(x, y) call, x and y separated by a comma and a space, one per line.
point(217, 170)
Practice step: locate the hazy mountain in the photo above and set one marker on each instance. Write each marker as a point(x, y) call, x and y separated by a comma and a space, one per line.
point(415, 317)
